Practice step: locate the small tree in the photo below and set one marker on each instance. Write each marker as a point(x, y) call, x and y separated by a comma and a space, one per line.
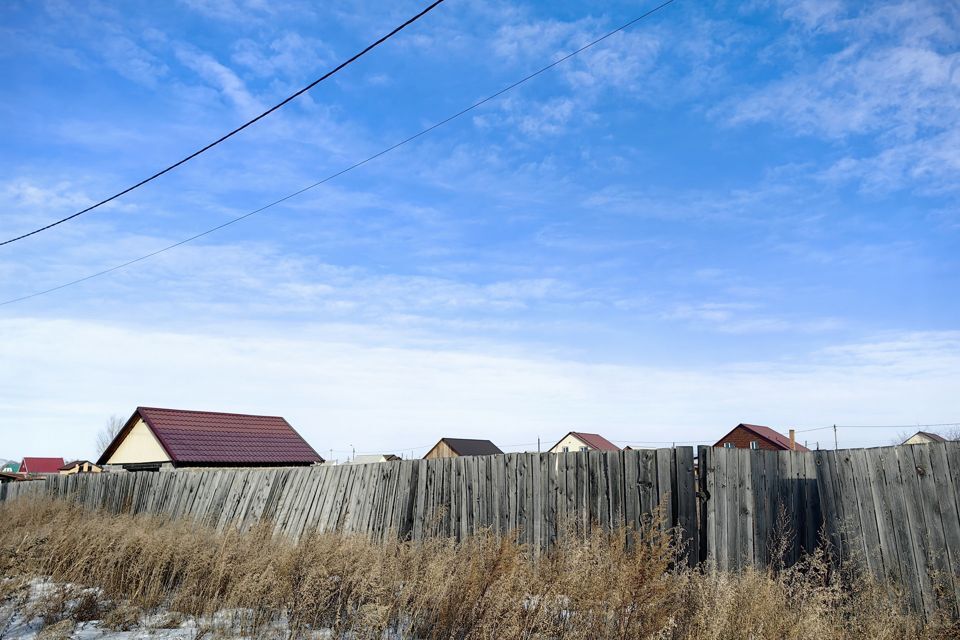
point(109, 432)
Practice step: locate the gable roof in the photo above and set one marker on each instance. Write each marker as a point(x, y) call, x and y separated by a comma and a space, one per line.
point(72, 463)
point(934, 437)
point(41, 465)
point(592, 440)
point(208, 437)
point(773, 437)
point(470, 447)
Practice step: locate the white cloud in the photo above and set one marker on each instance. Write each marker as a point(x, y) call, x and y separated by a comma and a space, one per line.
point(893, 82)
point(344, 386)
point(221, 78)
point(288, 54)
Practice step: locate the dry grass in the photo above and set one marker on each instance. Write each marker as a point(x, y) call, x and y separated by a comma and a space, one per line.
point(590, 586)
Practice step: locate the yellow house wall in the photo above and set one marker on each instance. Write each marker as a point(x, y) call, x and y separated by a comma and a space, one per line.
point(140, 445)
point(570, 441)
point(917, 438)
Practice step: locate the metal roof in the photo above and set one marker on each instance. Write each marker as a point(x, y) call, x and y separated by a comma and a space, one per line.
point(208, 437)
point(41, 465)
point(470, 447)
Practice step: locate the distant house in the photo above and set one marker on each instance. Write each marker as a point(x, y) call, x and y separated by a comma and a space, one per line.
point(41, 465)
point(154, 439)
point(10, 467)
point(79, 466)
point(754, 436)
point(375, 457)
point(580, 441)
point(924, 437)
point(454, 447)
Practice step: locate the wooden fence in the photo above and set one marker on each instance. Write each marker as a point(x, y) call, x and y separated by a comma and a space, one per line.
point(761, 504)
point(535, 495)
point(894, 509)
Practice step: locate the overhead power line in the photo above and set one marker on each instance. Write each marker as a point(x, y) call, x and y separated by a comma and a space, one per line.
point(224, 137)
point(345, 170)
point(880, 426)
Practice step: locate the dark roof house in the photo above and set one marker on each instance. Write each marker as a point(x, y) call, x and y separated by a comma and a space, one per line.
point(41, 465)
point(154, 437)
point(454, 447)
point(580, 441)
point(79, 466)
point(754, 436)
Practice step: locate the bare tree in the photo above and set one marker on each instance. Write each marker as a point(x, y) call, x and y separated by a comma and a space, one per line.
point(109, 432)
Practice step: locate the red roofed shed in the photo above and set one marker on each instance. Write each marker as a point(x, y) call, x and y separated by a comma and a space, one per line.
point(41, 465)
point(154, 437)
point(743, 435)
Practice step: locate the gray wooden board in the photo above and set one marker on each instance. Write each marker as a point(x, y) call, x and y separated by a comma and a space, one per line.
point(937, 555)
point(889, 555)
point(746, 499)
point(950, 515)
point(919, 533)
point(869, 531)
point(907, 554)
point(664, 486)
point(708, 522)
point(687, 504)
point(631, 488)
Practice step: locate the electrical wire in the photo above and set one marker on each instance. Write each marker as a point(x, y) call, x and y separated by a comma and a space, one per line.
point(224, 137)
point(422, 132)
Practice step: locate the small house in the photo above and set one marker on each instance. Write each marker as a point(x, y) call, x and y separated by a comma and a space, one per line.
point(754, 436)
point(455, 447)
point(41, 465)
point(374, 457)
point(580, 441)
point(10, 467)
point(154, 439)
point(79, 466)
point(924, 437)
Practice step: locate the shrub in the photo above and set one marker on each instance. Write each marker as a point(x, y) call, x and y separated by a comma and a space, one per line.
point(594, 584)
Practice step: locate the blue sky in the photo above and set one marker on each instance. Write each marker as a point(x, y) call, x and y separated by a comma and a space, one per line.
point(729, 212)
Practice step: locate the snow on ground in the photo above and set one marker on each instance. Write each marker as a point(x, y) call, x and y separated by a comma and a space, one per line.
point(48, 611)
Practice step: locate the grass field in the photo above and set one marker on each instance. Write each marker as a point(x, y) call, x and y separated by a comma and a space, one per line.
point(123, 570)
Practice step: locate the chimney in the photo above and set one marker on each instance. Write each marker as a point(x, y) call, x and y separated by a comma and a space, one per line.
point(793, 440)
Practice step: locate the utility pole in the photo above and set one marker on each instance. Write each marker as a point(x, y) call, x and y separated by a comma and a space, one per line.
point(353, 453)
point(835, 445)
point(538, 444)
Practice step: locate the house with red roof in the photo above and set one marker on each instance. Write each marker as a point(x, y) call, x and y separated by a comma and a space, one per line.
point(154, 439)
point(41, 465)
point(580, 441)
point(754, 436)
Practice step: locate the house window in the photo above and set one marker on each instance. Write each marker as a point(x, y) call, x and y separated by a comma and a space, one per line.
point(728, 445)
point(584, 449)
point(566, 449)
point(754, 444)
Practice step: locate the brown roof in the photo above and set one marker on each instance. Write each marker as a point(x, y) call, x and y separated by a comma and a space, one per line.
point(207, 437)
point(936, 437)
point(70, 465)
point(592, 440)
point(774, 437)
point(41, 465)
point(469, 447)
